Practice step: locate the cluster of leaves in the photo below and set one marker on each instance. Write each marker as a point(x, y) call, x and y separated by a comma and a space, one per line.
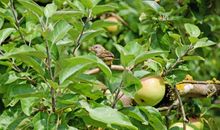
point(44, 57)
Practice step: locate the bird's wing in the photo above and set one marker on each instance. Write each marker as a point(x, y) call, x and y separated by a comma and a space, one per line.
point(106, 55)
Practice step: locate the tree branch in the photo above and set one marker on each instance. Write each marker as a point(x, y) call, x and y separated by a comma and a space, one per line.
point(52, 91)
point(117, 97)
point(81, 33)
point(113, 67)
point(17, 25)
point(181, 107)
point(178, 61)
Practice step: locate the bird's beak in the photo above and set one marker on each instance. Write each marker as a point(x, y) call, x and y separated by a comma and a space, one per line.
point(90, 49)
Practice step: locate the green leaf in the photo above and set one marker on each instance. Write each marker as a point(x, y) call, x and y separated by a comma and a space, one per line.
point(131, 84)
point(87, 35)
point(204, 43)
point(193, 40)
point(78, 65)
point(11, 118)
point(154, 117)
point(174, 36)
point(120, 49)
point(74, 70)
point(59, 32)
point(7, 14)
point(152, 4)
point(134, 48)
point(192, 30)
point(40, 121)
point(49, 10)
point(23, 91)
point(32, 6)
point(144, 56)
point(4, 33)
point(99, 9)
point(53, 84)
point(66, 15)
point(26, 55)
point(87, 89)
point(101, 23)
point(8, 116)
point(126, 60)
point(27, 104)
point(128, 53)
point(1, 22)
point(28, 60)
point(109, 116)
point(67, 99)
point(24, 50)
point(185, 58)
point(17, 122)
point(87, 3)
point(181, 50)
point(135, 113)
point(52, 121)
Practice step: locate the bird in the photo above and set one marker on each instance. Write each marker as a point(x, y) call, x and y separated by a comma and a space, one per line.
point(103, 54)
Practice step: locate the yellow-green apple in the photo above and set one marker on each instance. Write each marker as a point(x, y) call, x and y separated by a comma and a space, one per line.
point(151, 92)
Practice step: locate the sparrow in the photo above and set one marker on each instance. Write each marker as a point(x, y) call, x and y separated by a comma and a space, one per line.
point(103, 54)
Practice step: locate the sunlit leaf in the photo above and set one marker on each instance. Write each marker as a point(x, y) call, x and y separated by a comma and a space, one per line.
point(181, 50)
point(59, 32)
point(103, 8)
point(112, 116)
point(204, 43)
point(152, 4)
point(78, 65)
point(87, 35)
point(49, 10)
point(193, 58)
point(65, 15)
point(192, 30)
point(144, 56)
point(4, 33)
point(27, 104)
point(32, 6)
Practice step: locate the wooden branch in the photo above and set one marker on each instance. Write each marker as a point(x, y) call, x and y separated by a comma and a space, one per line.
point(113, 67)
point(200, 89)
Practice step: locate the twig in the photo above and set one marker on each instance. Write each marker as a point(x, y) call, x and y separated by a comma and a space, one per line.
point(113, 67)
point(33, 82)
point(117, 97)
point(175, 103)
point(81, 33)
point(52, 91)
point(17, 26)
point(181, 107)
point(179, 60)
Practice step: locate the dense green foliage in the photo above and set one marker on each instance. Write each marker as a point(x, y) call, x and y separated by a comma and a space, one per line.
point(44, 54)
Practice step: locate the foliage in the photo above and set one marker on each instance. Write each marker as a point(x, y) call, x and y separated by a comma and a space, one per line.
point(43, 81)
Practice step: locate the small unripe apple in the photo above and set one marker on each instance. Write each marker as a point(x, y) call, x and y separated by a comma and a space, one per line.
point(126, 101)
point(151, 92)
point(197, 124)
point(112, 28)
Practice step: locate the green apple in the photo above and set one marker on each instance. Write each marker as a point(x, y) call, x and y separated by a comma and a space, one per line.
point(112, 28)
point(197, 124)
point(151, 92)
point(180, 126)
